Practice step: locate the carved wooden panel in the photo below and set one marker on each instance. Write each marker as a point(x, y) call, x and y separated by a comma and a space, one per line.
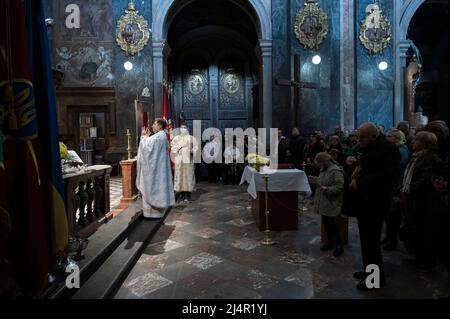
point(232, 88)
point(222, 124)
point(196, 88)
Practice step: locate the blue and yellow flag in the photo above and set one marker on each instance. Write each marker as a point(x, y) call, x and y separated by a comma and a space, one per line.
point(31, 186)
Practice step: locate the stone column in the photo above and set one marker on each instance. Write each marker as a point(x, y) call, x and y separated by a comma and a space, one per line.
point(129, 191)
point(161, 52)
point(347, 52)
point(265, 55)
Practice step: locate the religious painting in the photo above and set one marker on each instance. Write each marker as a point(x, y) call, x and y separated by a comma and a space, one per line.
point(196, 82)
point(375, 32)
point(85, 64)
point(95, 20)
point(311, 25)
point(132, 31)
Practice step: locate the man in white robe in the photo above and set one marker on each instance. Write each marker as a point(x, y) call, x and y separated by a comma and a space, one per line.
point(184, 146)
point(154, 177)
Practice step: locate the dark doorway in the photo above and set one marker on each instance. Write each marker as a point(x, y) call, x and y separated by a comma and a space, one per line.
point(213, 64)
point(429, 32)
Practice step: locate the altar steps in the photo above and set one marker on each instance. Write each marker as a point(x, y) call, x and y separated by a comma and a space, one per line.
point(111, 254)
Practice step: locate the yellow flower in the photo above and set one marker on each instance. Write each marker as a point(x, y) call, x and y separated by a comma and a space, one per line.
point(253, 158)
point(63, 152)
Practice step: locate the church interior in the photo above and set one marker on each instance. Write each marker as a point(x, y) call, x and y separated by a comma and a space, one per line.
point(99, 99)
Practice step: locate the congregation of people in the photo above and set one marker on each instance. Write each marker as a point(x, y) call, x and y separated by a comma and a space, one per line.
point(393, 182)
point(396, 178)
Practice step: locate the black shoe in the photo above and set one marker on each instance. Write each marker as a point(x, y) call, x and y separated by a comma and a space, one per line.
point(390, 246)
point(362, 285)
point(326, 247)
point(338, 251)
point(361, 275)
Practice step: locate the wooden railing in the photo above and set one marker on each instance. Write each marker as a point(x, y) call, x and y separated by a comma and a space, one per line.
point(87, 199)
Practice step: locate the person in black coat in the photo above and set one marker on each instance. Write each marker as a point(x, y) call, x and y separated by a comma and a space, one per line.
point(283, 148)
point(296, 146)
point(372, 184)
point(416, 189)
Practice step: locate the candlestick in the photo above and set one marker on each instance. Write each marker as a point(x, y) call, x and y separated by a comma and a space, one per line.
point(129, 149)
point(267, 241)
point(304, 208)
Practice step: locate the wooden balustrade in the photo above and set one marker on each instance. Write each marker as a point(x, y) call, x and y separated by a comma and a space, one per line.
point(87, 199)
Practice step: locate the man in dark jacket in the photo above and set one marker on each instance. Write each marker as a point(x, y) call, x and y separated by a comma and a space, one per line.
point(372, 183)
point(296, 147)
point(283, 148)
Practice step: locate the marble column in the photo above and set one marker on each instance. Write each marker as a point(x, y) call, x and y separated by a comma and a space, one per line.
point(347, 55)
point(161, 52)
point(265, 55)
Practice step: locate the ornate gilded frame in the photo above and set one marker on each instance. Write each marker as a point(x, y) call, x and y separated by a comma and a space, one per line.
point(375, 32)
point(311, 25)
point(132, 33)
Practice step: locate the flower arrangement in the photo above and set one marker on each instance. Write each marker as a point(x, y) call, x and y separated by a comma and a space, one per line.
point(63, 152)
point(70, 163)
point(257, 161)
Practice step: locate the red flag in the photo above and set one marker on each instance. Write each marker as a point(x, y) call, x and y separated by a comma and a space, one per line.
point(166, 116)
point(165, 110)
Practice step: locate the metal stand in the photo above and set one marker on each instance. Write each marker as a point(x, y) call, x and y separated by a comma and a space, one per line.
point(267, 241)
point(304, 208)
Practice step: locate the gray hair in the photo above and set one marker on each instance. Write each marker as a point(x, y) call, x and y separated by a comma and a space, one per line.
point(323, 157)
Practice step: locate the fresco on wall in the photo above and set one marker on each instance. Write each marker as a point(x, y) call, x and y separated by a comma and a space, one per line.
point(85, 64)
point(95, 20)
point(85, 54)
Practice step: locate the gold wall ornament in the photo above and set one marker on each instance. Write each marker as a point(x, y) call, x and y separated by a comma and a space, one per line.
point(132, 32)
point(311, 25)
point(375, 32)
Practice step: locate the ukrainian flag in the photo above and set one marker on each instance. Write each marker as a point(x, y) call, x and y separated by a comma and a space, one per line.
point(31, 186)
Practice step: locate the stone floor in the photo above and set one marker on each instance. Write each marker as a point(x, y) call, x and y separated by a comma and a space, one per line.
point(115, 191)
point(211, 249)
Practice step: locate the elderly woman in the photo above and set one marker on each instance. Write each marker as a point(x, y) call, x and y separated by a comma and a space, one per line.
point(328, 199)
point(398, 138)
point(421, 224)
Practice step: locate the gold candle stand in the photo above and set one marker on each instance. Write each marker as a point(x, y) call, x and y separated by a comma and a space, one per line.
point(267, 241)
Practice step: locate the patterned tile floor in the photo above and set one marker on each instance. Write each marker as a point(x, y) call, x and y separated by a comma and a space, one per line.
point(211, 249)
point(115, 191)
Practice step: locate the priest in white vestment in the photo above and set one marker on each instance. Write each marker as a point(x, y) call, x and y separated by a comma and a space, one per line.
point(154, 176)
point(184, 146)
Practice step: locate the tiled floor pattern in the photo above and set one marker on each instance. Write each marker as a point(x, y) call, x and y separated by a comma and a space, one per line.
point(211, 249)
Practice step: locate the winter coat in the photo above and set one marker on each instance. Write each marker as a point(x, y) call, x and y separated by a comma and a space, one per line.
point(329, 202)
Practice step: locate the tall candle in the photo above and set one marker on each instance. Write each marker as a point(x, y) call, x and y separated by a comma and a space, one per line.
point(145, 119)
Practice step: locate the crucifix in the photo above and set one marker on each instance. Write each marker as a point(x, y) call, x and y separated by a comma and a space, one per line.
point(298, 85)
